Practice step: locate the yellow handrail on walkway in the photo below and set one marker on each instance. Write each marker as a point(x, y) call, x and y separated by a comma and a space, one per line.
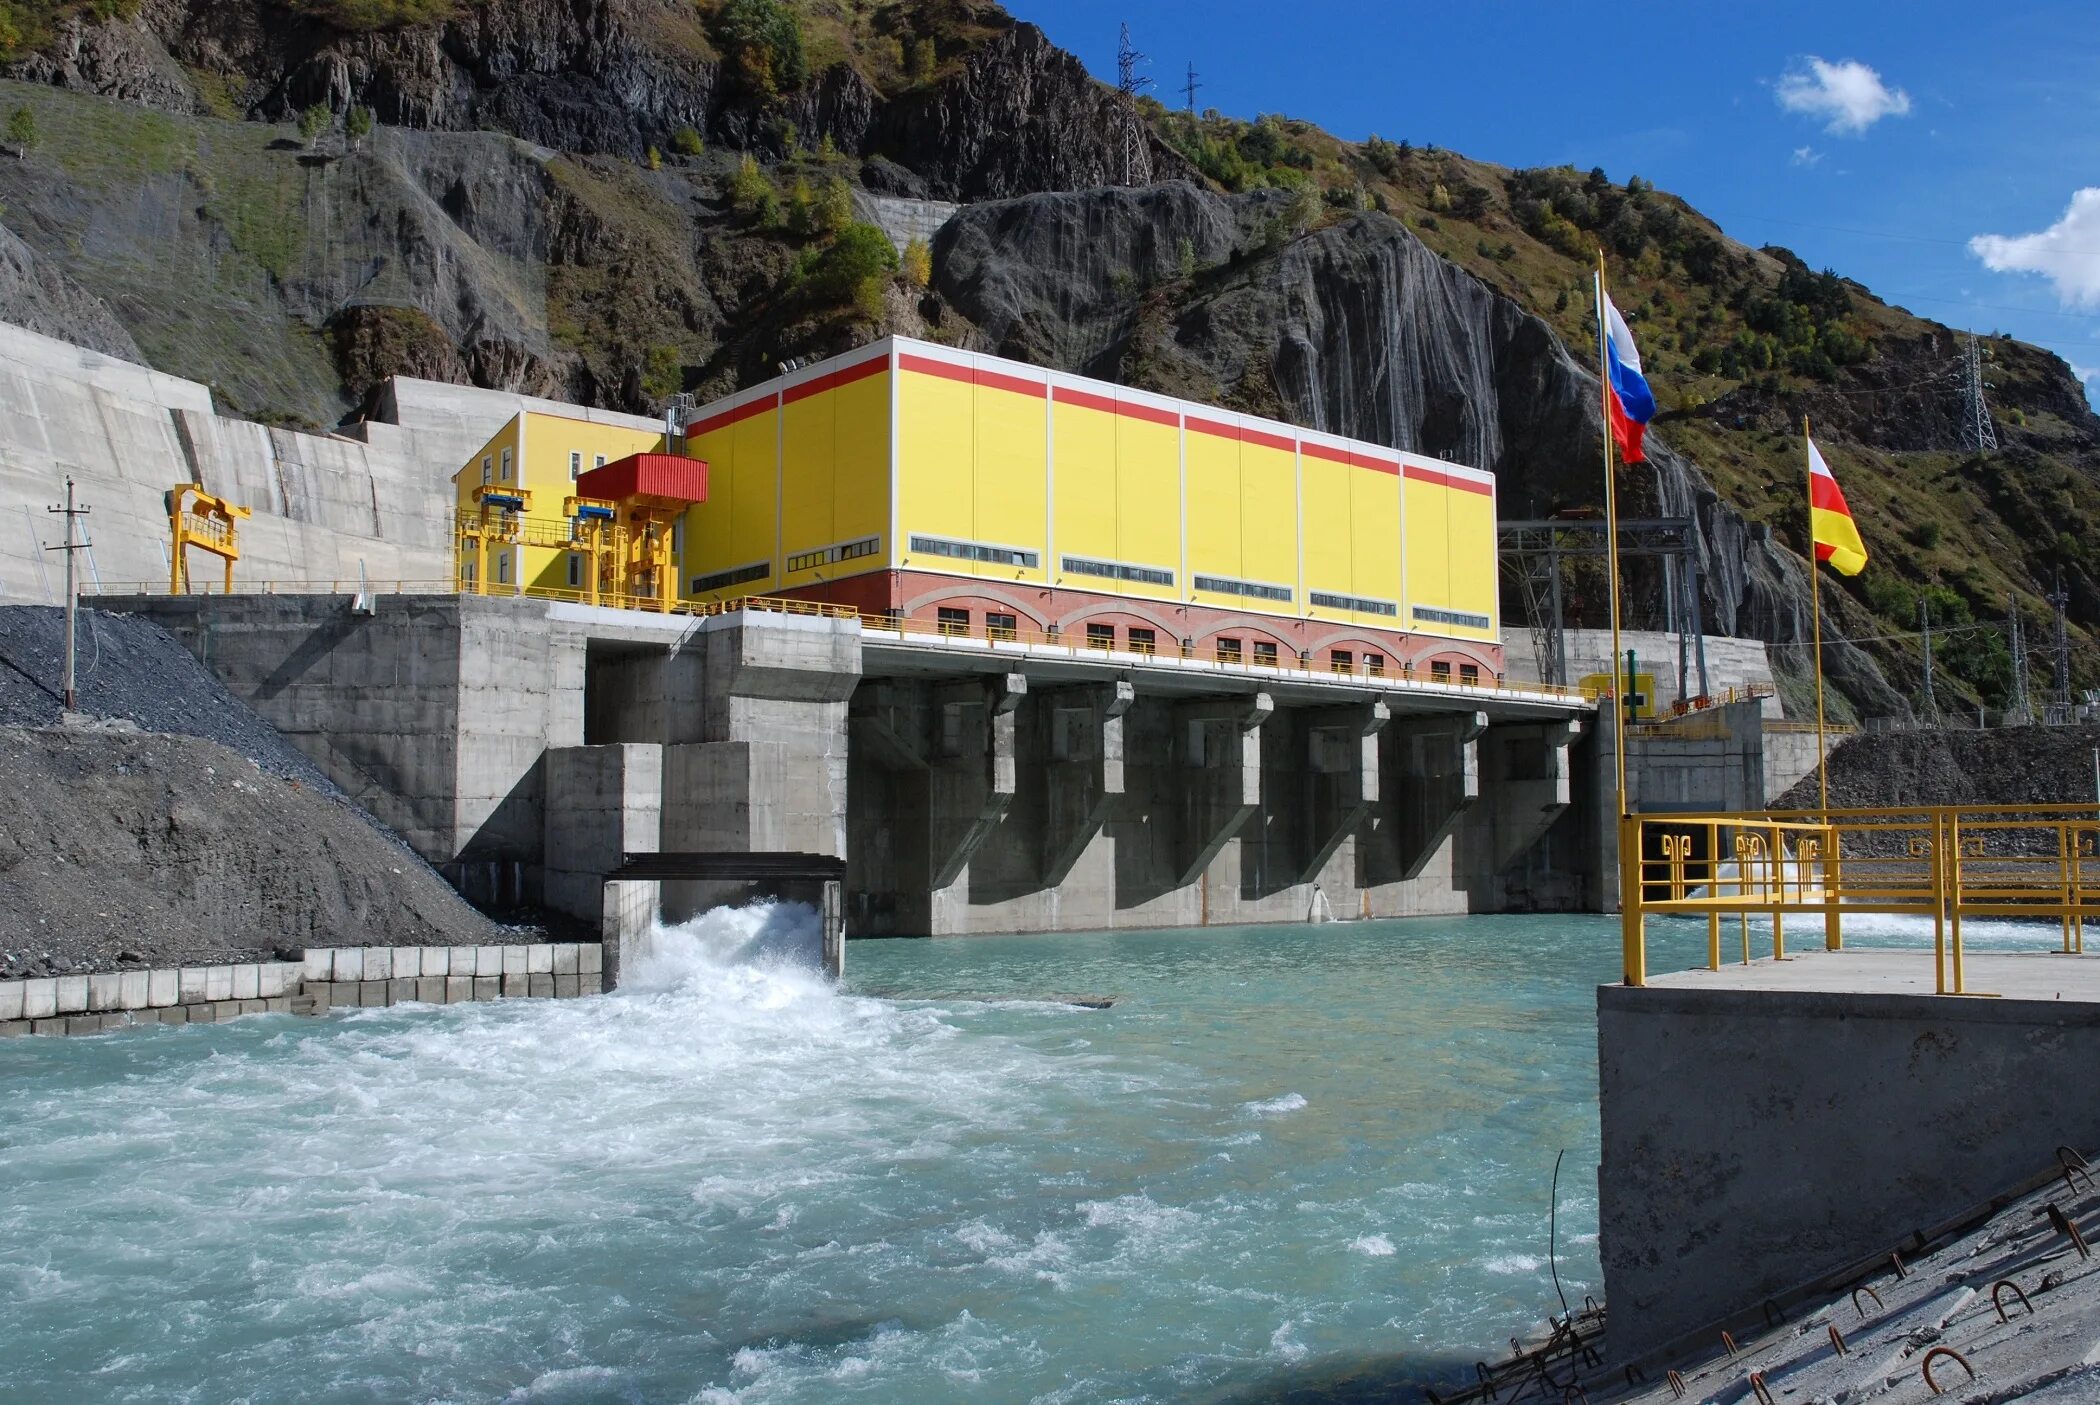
point(1945, 863)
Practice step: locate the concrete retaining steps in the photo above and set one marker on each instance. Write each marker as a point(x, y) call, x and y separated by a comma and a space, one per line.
point(324, 978)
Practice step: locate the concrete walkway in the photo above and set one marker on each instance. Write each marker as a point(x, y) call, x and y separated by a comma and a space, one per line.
point(2038, 975)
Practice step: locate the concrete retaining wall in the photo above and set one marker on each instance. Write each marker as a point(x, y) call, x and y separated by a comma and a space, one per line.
point(322, 979)
point(1755, 1139)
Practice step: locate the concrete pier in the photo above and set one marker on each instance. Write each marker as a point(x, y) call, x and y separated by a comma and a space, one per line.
point(1768, 1124)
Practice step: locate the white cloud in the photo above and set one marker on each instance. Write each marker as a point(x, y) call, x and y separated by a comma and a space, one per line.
point(1806, 156)
point(2067, 253)
point(2087, 373)
point(1849, 95)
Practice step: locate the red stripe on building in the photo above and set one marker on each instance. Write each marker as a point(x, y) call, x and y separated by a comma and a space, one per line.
point(832, 380)
point(729, 417)
point(1129, 409)
point(1213, 428)
point(1325, 451)
point(1013, 385)
point(1450, 480)
point(1383, 465)
point(1262, 439)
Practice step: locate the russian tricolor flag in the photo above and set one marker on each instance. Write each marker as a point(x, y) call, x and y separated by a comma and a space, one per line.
point(1630, 404)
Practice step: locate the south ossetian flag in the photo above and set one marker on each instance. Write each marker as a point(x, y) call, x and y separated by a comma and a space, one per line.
point(1830, 520)
point(1631, 404)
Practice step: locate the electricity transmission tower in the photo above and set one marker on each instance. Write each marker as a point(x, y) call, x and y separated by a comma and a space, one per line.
point(1188, 89)
point(2019, 713)
point(1978, 434)
point(2060, 695)
point(1137, 165)
point(1928, 707)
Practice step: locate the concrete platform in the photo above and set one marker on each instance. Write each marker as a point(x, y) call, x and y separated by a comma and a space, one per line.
point(1764, 1126)
point(2038, 975)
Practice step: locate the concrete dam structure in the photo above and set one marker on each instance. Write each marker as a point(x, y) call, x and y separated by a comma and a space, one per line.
point(525, 745)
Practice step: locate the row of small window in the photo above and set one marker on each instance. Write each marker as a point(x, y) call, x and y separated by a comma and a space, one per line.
point(493, 471)
point(1322, 600)
point(1137, 639)
point(1424, 614)
point(828, 555)
point(1252, 590)
point(974, 551)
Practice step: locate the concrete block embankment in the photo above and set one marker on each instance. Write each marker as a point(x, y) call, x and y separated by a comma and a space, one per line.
point(324, 978)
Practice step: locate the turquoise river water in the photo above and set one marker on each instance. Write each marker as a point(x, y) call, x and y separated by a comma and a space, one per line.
point(1290, 1162)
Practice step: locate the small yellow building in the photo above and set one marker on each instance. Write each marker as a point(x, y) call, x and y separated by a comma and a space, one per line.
point(512, 497)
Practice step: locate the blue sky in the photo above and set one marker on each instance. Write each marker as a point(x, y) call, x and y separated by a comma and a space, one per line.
point(1876, 137)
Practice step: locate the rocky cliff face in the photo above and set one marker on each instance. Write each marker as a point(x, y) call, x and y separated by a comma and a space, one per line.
point(1359, 330)
point(508, 225)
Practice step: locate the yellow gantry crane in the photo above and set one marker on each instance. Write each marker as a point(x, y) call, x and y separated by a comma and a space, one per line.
point(205, 521)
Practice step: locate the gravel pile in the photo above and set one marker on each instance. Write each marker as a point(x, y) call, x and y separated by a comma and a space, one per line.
point(124, 848)
point(166, 823)
point(1954, 766)
point(130, 668)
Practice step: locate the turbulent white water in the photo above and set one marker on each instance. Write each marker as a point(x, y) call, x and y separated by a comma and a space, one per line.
point(1282, 1157)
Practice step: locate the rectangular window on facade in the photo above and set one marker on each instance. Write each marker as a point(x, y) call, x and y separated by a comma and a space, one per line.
point(1265, 653)
point(1469, 674)
point(488, 470)
point(1324, 600)
point(1425, 615)
point(1342, 661)
point(953, 622)
point(1101, 636)
point(722, 580)
point(575, 464)
point(575, 569)
point(503, 568)
point(598, 461)
point(1374, 664)
point(826, 555)
point(1228, 651)
point(1001, 626)
point(967, 551)
point(1440, 672)
point(1143, 641)
point(1252, 590)
point(506, 466)
point(1117, 571)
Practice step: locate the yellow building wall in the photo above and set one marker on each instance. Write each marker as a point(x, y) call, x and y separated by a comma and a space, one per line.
point(1217, 513)
point(1085, 447)
point(1008, 478)
point(1269, 517)
point(1148, 501)
point(1375, 545)
point(1330, 540)
point(1428, 552)
point(834, 475)
point(735, 526)
point(1475, 586)
point(551, 439)
point(936, 466)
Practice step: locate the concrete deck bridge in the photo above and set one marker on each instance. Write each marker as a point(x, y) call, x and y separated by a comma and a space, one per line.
point(526, 745)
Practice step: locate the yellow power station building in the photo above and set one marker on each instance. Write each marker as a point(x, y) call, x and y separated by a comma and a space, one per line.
point(989, 497)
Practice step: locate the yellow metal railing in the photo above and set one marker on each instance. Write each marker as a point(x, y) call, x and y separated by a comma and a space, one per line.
point(1939, 863)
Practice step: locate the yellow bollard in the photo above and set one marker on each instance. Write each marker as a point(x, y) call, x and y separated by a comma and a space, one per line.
point(1632, 933)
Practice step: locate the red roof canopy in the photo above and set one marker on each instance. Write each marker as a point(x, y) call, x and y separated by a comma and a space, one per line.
point(670, 476)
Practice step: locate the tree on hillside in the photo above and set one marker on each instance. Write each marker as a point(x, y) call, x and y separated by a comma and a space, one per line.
point(357, 124)
point(761, 44)
point(314, 121)
point(21, 131)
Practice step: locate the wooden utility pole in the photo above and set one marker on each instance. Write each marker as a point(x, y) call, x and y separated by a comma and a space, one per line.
point(69, 512)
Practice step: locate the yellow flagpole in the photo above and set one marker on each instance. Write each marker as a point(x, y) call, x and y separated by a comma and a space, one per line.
point(1621, 685)
point(1815, 597)
point(1633, 946)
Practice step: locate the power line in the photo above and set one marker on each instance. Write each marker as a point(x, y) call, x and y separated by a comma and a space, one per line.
point(1189, 88)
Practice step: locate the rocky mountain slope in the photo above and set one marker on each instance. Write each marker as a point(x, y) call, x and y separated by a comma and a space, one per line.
point(613, 200)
